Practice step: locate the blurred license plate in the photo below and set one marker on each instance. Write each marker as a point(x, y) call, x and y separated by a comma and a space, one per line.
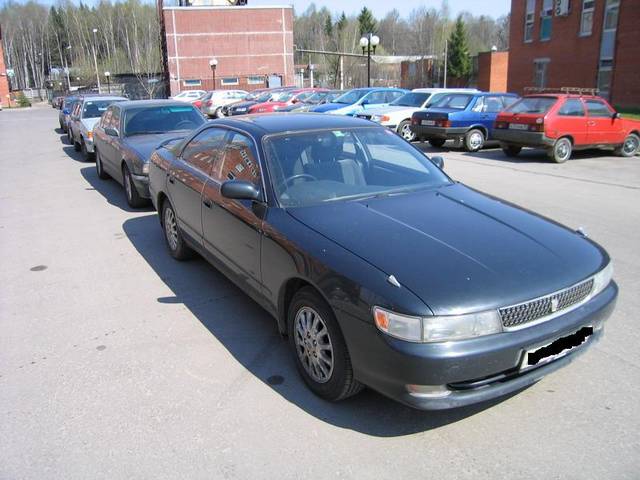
point(556, 349)
point(518, 126)
point(428, 122)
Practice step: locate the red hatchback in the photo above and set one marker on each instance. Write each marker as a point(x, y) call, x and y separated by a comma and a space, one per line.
point(563, 122)
point(284, 99)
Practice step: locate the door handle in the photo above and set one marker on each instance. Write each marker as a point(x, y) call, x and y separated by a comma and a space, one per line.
point(591, 124)
point(207, 202)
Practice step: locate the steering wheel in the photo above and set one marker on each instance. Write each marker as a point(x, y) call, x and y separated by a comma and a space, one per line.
point(189, 125)
point(290, 179)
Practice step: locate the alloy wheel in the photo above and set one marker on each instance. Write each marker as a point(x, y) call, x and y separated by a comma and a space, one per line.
point(406, 133)
point(171, 228)
point(476, 140)
point(563, 149)
point(313, 344)
point(631, 145)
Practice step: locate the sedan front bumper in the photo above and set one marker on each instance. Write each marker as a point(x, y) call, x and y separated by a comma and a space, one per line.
point(141, 182)
point(467, 371)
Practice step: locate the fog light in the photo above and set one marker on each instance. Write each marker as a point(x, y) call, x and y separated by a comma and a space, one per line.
point(428, 391)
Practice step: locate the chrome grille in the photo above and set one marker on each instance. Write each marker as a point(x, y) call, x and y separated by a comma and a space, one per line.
point(517, 315)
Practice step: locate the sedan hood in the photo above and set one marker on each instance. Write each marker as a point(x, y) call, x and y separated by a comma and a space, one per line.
point(144, 145)
point(327, 107)
point(391, 109)
point(458, 249)
point(89, 123)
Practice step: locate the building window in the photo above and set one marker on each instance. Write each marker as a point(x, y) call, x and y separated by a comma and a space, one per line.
point(545, 19)
point(191, 83)
point(529, 19)
point(607, 47)
point(255, 80)
point(540, 69)
point(230, 81)
point(586, 21)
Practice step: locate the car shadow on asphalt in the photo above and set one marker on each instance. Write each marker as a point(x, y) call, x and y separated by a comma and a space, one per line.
point(111, 190)
point(249, 333)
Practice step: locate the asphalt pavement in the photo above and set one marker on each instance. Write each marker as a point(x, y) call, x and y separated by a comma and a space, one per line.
point(118, 362)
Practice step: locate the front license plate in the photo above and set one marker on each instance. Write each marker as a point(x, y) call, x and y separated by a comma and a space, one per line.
point(556, 349)
point(428, 122)
point(518, 126)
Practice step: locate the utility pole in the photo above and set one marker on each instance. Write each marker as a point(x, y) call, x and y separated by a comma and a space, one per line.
point(446, 58)
point(341, 72)
point(95, 58)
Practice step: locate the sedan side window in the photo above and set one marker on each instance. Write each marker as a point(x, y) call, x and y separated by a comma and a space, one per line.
point(572, 108)
point(492, 105)
point(106, 118)
point(479, 106)
point(203, 151)
point(115, 118)
point(239, 162)
point(596, 108)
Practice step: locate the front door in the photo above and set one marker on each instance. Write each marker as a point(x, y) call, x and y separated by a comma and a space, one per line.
point(602, 127)
point(187, 176)
point(233, 228)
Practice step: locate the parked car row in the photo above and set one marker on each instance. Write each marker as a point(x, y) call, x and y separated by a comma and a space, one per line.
point(380, 269)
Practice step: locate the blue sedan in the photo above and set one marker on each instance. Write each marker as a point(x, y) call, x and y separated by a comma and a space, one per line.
point(359, 99)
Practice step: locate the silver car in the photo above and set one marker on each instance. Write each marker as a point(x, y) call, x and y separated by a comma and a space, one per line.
point(86, 113)
point(213, 101)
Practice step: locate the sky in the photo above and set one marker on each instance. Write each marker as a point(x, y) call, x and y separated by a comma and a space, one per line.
point(493, 8)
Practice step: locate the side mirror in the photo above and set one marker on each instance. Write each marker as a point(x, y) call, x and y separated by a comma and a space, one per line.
point(240, 190)
point(365, 102)
point(616, 115)
point(112, 132)
point(438, 161)
point(66, 111)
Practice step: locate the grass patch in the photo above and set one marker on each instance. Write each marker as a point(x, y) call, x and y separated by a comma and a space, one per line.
point(633, 113)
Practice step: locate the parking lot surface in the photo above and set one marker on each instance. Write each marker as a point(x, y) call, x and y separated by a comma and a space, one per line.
point(118, 362)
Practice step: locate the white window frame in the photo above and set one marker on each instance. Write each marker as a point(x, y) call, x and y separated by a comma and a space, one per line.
point(536, 63)
point(546, 14)
point(229, 81)
point(529, 20)
point(587, 9)
point(255, 80)
point(192, 82)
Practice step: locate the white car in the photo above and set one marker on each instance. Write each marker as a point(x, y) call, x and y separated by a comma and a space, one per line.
point(213, 101)
point(189, 96)
point(86, 113)
point(397, 115)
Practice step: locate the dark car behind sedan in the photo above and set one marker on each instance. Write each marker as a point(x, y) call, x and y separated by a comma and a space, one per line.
point(129, 132)
point(381, 269)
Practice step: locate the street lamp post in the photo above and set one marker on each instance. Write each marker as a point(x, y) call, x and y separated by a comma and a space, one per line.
point(66, 68)
point(369, 42)
point(95, 58)
point(108, 76)
point(213, 63)
point(312, 67)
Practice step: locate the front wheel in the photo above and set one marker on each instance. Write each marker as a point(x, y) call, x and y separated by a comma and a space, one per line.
point(561, 150)
point(630, 147)
point(474, 140)
point(404, 129)
point(86, 153)
point(102, 175)
point(133, 197)
point(320, 351)
point(178, 249)
point(511, 150)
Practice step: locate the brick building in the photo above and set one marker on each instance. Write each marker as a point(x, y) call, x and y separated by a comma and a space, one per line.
point(493, 68)
point(253, 46)
point(4, 79)
point(577, 43)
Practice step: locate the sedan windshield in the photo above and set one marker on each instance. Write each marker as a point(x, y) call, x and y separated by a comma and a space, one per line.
point(455, 101)
point(332, 165)
point(351, 97)
point(95, 108)
point(532, 105)
point(160, 119)
point(411, 99)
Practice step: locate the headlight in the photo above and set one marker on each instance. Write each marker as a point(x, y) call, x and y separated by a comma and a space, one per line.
point(602, 279)
point(145, 168)
point(437, 328)
point(90, 135)
point(375, 118)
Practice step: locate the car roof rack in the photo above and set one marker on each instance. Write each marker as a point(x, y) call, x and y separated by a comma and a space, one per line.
point(566, 90)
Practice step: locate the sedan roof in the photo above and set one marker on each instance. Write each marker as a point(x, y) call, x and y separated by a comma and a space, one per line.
point(153, 103)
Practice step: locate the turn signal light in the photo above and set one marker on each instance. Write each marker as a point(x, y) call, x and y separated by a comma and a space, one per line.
point(443, 123)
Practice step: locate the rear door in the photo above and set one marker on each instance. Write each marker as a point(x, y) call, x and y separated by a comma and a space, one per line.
point(187, 176)
point(571, 120)
point(493, 104)
point(602, 128)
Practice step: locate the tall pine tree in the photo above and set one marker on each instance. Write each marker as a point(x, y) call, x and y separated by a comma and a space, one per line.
point(367, 21)
point(458, 59)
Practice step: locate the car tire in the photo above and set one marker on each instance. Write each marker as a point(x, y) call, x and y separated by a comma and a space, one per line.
point(404, 130)
point(69, 136)
point(88, 156)
point(437, 142)
point(630, 147)
point(217, 113)
point(511, 150)
point(474, 140)
point(76, 145)
point(178, 248)
point(561, 150)
point(102, 175)
point(131, 192)
point(313, 329)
